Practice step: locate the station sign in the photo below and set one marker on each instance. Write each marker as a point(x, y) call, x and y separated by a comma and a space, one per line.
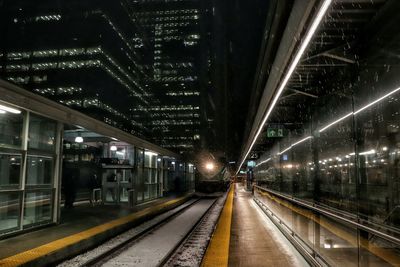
point(275, 132)
point(254, 155)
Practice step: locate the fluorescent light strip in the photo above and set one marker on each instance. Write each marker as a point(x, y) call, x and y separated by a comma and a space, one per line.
point(280, 153)
point(336, 121)
point(369, 152)
point(11, 110)
point(302, 140)
point(376, 101)
point(361, 109)
point(150, 153)
point(293, 65)
point(262, 162)
point(295, 144)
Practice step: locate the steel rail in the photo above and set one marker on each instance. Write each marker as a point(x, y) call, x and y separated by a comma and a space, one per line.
point(186, 237)
point(107, 254)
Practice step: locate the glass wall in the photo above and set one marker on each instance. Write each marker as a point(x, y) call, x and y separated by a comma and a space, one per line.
point(27, 170)
point(343, 156)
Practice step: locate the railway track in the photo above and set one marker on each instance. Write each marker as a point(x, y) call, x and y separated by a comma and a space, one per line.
point(159, 241)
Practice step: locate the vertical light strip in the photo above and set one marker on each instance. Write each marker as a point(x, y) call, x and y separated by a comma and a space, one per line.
point(292, 67)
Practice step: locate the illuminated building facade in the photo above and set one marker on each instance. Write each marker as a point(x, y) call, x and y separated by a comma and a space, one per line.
point(87, 55)
point(177, 32)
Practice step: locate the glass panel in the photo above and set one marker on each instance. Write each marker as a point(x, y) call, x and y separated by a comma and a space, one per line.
point(42, 133)
point(110, 185)
point(39, 170)
point(10, 170)
point(11, 129)
point(150, 159)
point(37, 207)
point(9, 210)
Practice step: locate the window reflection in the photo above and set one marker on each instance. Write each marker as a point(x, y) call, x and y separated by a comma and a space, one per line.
point(11, 129)
point(10, 169)
point(39, 170)
point(37, 207)
point(42, 133)
point(9, 210)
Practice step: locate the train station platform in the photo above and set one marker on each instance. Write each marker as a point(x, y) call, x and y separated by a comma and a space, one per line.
point(244, 236)
point(81, 228)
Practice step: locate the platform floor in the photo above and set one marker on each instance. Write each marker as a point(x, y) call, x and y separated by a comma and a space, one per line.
point(73, 221)
point(254, 240)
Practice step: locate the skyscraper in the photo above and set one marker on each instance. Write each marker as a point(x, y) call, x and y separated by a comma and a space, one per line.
point(177, 32)
point(84, 54)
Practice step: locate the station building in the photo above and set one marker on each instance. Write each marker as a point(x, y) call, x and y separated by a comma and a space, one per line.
point(46, 147)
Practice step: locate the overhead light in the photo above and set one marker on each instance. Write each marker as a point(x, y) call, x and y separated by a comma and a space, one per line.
point(302, 140)
point(280, 153)
point(149, 153)
point(336, 121)
point(374, 102)
point(113, 148)
point(262, 162)
point(360, 109)
point(173, 162)
point(209, 166)
point(159, 159)
point(299, 54)
point(79, 139)
point(8, 109)
point(369, 152)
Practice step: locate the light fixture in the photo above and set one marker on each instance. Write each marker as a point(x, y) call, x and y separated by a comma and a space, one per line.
point(113, 148)
point(336, 121)
point(8, 109)
point(209, 166)
point(369, 152)
point(173, 162)
point(159, 159)
point(374, 102)
point(149, 153)
point(299, 54)
point(79, 139)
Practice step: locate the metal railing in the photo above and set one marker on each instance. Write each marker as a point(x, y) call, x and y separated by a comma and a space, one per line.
point(315, 207)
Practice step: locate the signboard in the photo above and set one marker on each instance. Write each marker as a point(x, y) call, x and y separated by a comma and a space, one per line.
point(274, 132)
point(251, 163)
point(253, 155)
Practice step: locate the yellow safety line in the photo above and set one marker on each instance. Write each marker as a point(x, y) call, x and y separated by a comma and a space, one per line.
point(382, 253)
point(46, 249)
point(217, 253)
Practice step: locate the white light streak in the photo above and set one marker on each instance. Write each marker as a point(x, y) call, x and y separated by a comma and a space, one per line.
point(376, 101)
point(280, 153)
point(336, 121)
point(302, 140)
point(149, 153)
point(369, 152)
point(299, 54)
point(8, 109)
point(262, 162)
